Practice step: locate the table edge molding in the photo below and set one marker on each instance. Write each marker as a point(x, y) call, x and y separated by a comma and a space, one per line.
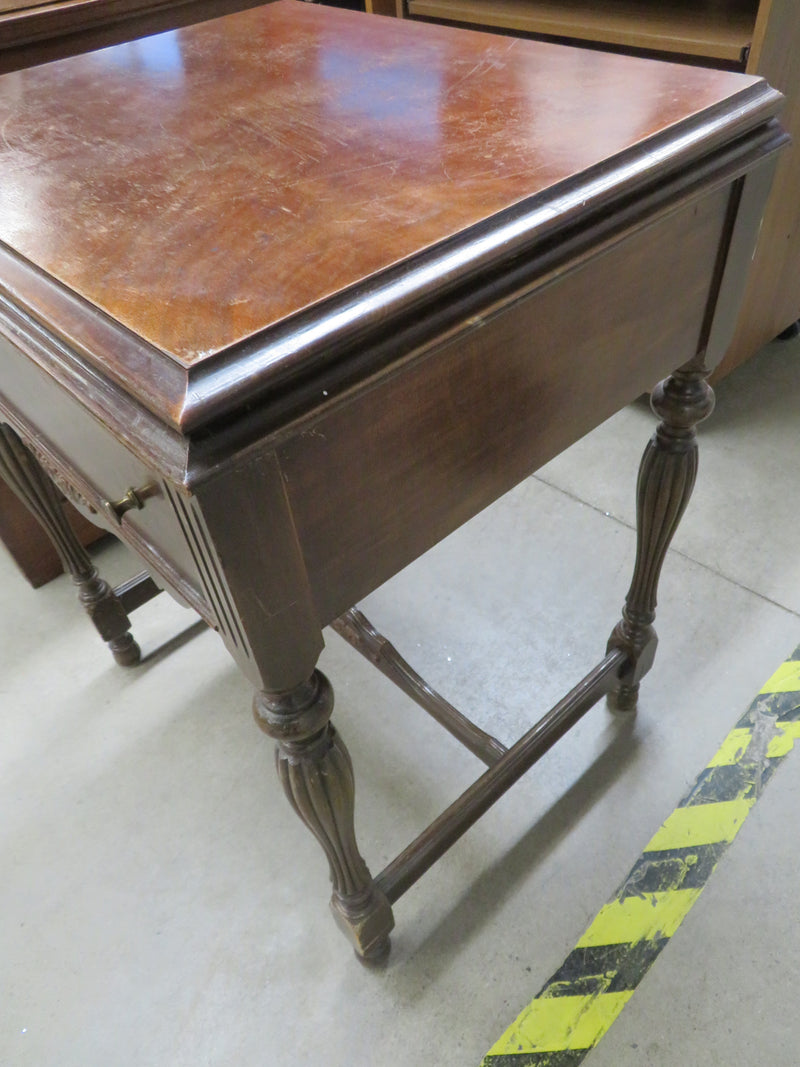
point(349, 336)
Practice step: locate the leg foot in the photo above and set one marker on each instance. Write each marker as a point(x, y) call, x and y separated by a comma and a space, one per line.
point(623, 700)
point(790, 332)
point(379, 955)
point(28, 479)
point(666, 479)
point(105, 609)
point(125, 651)
point(317, 776)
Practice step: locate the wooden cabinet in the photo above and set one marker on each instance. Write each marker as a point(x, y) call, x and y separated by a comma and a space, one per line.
point(756, 36)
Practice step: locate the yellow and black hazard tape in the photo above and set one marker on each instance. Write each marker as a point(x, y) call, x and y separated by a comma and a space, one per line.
point(579, 1003)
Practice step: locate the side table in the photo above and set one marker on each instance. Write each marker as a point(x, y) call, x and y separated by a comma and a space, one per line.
point(286, 310)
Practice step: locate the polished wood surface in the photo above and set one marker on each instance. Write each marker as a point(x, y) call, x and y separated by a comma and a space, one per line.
point(253, 195)
point(446, 468)
point(279, 384)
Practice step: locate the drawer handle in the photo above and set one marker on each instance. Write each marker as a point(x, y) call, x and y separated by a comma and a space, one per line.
point(132, 501)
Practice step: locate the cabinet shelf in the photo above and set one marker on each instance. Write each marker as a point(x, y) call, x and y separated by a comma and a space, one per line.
point(706, 28)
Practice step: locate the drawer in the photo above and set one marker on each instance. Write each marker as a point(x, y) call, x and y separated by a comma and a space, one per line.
point(93, 467)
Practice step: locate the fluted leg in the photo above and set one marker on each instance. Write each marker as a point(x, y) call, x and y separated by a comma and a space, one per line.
point(317, 776)
point(666, 479)
point(26, 477)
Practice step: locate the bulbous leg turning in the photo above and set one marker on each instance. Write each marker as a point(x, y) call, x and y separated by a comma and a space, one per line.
point(316, 772)
point(666, 480)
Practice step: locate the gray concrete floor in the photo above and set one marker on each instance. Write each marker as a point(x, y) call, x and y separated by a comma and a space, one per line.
point(161, 905)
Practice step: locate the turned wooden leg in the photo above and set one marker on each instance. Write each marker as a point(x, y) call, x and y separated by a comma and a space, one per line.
point(26, 477)
point(317, 776)
point(666, 479)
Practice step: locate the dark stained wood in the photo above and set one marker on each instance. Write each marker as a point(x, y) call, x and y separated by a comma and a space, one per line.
point(29, 546)
point(317, 776)
point(101, 468)
point(30, 33)
point(666, 479)
point(22, 471)
point(436, 448)
point(211, 307)
point(410, 864)
point(384, 7)
point(356, 629)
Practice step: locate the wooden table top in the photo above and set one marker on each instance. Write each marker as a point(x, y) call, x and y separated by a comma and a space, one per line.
point(203, 186)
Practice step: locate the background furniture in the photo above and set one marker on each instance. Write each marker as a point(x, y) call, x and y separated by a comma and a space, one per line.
point(756, 36)
point(277, 417)
point(34, 32)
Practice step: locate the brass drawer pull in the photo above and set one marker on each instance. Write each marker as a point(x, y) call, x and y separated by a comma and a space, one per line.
point(132, 501)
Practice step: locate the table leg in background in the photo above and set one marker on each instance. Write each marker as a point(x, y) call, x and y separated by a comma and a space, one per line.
point(28, 479)
point(666, 479)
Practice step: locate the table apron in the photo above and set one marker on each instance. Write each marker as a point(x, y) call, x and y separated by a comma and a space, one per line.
point(405, 460)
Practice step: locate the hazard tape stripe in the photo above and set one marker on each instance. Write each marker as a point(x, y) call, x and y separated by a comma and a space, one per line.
point(578, 1004)
point(786, 679)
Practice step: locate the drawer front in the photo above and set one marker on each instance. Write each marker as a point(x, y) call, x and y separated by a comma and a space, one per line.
point(94, 467)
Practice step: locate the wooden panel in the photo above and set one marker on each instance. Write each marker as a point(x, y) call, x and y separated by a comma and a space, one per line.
point(19, 5)
point(772, 299)
point(469, 420)
point(688, 27)
point(384, 7)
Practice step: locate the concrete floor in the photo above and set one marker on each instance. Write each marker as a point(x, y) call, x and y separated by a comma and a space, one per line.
point(161, 905)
